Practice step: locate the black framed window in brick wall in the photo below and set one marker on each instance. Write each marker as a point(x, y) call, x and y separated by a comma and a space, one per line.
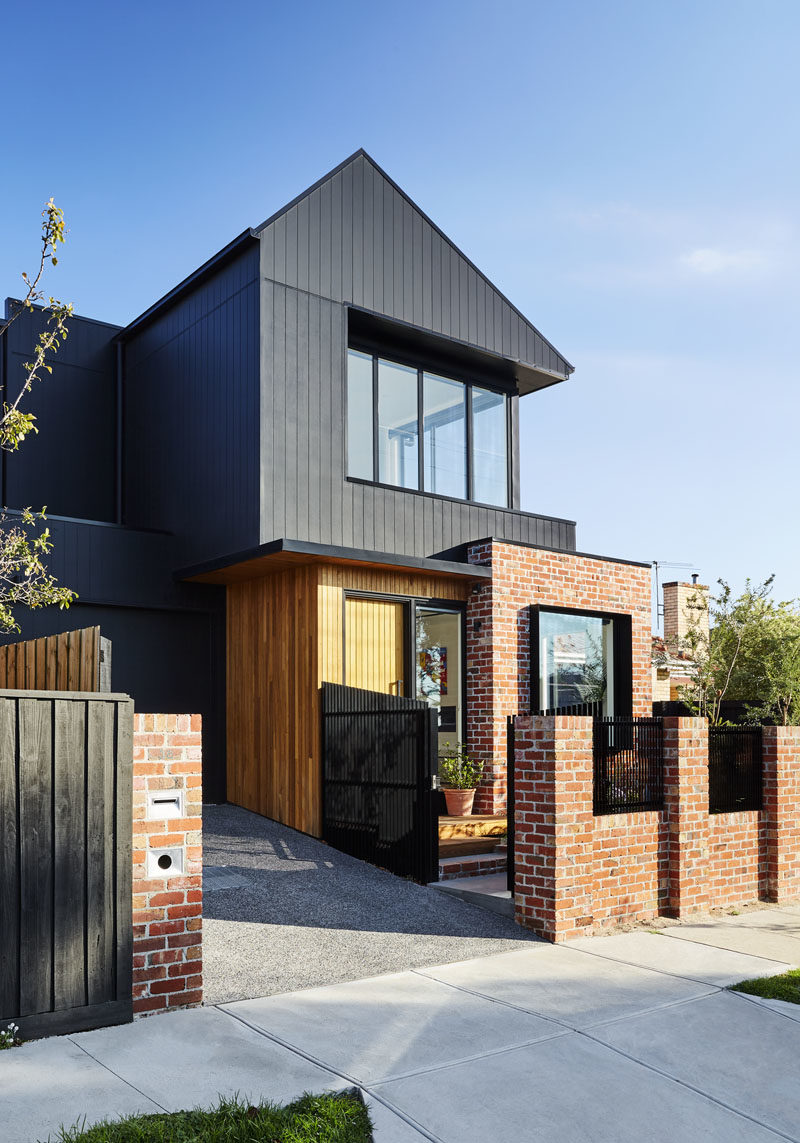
point(581, 661)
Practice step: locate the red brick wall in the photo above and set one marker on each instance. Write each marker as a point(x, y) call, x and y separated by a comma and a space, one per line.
point(498, 638)
point(630, 868)
point(736, 858)
point(167, 910)
point(782, 811)
point(578, 874)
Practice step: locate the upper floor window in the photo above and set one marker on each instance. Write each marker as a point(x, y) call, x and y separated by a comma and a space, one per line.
point(419, 430)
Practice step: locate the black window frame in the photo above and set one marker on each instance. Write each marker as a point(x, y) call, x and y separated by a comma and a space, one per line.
point(623, 653)
point(449, 375)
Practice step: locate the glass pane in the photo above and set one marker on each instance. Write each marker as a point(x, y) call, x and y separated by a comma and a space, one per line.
point(438, 662)
point(398, 425)
point(490, 470)
point(575, 661)
point(445, 436)
point(359, 415)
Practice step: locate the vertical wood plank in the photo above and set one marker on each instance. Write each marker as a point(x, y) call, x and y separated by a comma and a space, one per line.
point(36, 856)
point(69, 801)
point(123, 776)
point(100, 888)
point(9, 864)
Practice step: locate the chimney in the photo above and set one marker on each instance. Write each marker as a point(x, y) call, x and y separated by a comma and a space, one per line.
point(685, 609)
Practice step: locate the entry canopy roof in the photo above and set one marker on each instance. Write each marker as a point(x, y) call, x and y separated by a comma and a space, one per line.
point(280, 554)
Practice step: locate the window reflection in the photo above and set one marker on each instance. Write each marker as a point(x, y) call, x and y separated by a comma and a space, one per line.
point(445, 436)
point(490, 466)
point(359, 415)
point(576, 661)
point(398, 425)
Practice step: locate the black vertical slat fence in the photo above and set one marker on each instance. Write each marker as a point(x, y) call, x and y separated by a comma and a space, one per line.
point(628, 764)
point(379, 760)
point(735, 769)
point(65, 860)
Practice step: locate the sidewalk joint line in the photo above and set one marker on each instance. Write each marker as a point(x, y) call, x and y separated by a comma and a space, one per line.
point(690, 1087)
point(116, 1076)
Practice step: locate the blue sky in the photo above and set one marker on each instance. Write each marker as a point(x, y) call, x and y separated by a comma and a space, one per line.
point(627, 173)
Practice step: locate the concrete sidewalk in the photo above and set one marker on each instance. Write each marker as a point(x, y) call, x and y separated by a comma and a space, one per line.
point(617, 1039)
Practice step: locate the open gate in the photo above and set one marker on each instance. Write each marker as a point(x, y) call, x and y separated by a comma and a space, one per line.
point(379, 763)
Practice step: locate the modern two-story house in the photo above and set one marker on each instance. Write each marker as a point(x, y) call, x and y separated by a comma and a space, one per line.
point(301, 466)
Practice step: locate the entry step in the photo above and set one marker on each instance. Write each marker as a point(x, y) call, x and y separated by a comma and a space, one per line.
point(473, 825)
point(471, 865)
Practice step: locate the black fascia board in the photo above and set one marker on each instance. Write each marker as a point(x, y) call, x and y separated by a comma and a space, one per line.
point(361, 153)
point(195, 278)
point(333, 552)
point(558, 551)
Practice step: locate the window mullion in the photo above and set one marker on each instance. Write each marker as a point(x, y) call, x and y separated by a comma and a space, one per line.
point(468, 419)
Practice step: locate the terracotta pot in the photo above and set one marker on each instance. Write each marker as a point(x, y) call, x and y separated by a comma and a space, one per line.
point(459, 802)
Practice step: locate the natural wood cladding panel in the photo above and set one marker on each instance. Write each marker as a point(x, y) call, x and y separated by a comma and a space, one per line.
point(273, 723)
point(66, 662)
point(285, 637)
point(374, 645)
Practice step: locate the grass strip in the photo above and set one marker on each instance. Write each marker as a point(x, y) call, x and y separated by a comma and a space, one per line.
point(336, 1118)
point(783, 987)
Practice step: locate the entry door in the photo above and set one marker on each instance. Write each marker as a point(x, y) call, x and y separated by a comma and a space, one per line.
point(374, 645)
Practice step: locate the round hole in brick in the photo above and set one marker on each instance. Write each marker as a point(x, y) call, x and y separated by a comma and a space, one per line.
point(164, 861)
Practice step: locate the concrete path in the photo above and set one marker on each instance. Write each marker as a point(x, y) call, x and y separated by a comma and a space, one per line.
point(616, 1039)
point(292, 913)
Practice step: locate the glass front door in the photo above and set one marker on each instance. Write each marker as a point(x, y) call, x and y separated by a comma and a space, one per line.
point(438, 668)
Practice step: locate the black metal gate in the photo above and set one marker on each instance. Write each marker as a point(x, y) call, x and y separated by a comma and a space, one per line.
point(510, 860)
point(65, 860)
point(379, 762)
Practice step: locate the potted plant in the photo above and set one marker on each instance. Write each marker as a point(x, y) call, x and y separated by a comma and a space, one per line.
point(459, 773)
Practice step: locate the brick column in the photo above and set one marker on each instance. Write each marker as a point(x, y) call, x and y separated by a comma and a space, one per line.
point(553, 825)
point(686, 803)
point(167, 908)
point(782, 811)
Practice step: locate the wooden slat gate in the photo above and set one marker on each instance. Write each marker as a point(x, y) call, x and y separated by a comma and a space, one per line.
point(379, 763)
point(72, 661)
point(65, 860)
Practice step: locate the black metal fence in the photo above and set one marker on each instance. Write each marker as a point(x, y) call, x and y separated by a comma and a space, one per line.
point(628, 765)
point(579, 709)
point(734, 769)
point(379, 758)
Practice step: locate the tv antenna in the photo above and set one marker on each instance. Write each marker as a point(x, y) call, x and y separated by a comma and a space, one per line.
point(657, 564)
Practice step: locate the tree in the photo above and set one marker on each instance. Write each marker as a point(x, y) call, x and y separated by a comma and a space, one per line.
point(752, 655)
point(24, 543)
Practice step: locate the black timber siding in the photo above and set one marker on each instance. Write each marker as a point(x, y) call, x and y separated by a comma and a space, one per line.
point(356, 238)
point(191, 415)
point(65, 861)
point(168, 639)
point(70, 463)
point(304, 491)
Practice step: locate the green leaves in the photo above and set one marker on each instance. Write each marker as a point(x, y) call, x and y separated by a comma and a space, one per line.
point(24, 578)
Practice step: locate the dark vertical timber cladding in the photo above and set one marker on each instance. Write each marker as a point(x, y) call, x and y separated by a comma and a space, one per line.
point(191, 420)
point(359, 217)
point(378, 762)
point(356, 239)
point(304, 466)
point(65, 877)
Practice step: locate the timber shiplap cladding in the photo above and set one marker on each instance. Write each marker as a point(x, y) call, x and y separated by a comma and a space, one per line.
point(285, 638)
point(66, 662)
point(304, 491)
point(357, 239)
point(65, 874)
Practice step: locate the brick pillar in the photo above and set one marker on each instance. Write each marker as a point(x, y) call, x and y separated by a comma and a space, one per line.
point(167, 908)
point(686, 803)
point(782, 811)
point(553, 825)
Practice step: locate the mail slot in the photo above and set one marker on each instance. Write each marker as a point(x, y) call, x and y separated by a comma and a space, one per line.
point(165, 862)
point(165, 804)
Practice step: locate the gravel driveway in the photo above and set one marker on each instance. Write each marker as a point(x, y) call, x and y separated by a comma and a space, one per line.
point(299, 914)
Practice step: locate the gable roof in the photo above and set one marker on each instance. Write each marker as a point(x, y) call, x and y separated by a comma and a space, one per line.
point(356, 237)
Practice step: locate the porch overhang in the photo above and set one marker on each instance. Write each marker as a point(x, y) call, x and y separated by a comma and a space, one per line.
point(283, 553)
